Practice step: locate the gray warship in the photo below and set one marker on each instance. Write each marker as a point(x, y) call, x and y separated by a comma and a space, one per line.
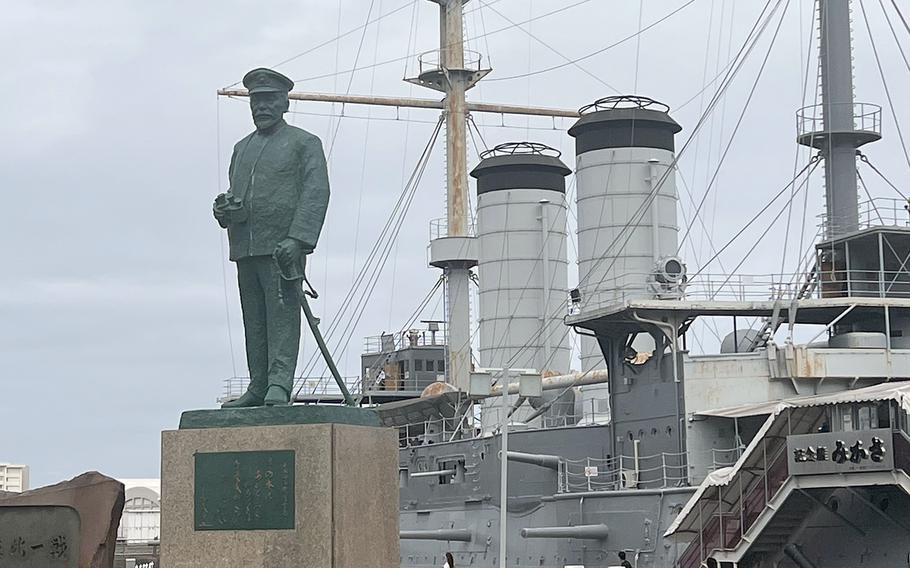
point(788, 447)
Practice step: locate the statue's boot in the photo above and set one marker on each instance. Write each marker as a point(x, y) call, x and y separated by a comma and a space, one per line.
point(277, 396)
point(247, 400)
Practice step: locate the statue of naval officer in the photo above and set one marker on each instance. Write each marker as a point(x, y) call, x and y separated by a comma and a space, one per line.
point(273, 212)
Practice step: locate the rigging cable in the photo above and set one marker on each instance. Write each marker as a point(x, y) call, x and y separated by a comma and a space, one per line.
point(599, 51)
point(641, 14)
point(708, 37)
point(695, 253)
point(881, 73)
point(894, 34)
point(862, 182)
point(483, 26)
point(350, 81)
point(723, 104)
point(360, 307)
point(751, 41)
point(738, 124)
point(479, 133)
point(363, 159)
point(410, 321)
point(340, 36)
point(816, 9)
point(769, 227)
point(404, 162)
point(383, 237)
point(743, 53)
point(804, 90)
point(397, 59)
point(745, 50)
point(474, 143)
point(865, 159)
point(329, 161)
point(554, 50)
point(901, 16)
point(810, 167)
point(222, 236)
point(411, 31)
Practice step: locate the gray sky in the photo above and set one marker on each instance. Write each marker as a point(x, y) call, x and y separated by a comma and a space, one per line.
point(113, 317)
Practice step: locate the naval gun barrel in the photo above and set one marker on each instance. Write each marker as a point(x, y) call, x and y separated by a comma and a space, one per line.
point(434, 473)
point(542, 460)
point(461, 535)
point(596, 377)
point(590, 532)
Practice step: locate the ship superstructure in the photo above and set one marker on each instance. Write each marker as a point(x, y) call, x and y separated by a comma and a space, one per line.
point(776, 451)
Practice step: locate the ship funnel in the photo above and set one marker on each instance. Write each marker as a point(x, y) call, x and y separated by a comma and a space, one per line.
point(521, 233)
point(626, 201)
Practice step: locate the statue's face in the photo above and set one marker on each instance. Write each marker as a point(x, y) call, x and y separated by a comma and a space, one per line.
point(268, 108)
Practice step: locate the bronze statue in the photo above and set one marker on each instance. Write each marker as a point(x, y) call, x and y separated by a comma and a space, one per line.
point(273, 212)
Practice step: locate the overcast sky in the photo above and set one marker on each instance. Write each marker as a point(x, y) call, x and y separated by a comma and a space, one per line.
point(114, 312)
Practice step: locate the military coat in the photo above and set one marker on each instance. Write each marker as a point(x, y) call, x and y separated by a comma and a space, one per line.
point(283, 182)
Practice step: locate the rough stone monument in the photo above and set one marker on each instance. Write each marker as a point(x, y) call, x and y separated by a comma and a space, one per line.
point(262, 483)
point(72, 524)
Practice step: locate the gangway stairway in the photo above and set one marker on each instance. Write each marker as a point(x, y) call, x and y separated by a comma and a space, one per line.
point(771, 324)
point(758, 507)
point(749, 500)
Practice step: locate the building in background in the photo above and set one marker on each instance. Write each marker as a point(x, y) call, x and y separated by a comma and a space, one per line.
point(140, 526)
point(13, 477)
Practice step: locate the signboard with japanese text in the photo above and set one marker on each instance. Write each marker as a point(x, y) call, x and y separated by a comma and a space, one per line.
point(39, 537)
point(840, 452)
point(244, 491)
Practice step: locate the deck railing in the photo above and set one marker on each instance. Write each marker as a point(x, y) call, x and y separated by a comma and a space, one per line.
point(310, 387)
point(751, 287)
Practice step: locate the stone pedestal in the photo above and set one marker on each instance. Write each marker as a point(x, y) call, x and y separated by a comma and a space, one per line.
point(320, 495)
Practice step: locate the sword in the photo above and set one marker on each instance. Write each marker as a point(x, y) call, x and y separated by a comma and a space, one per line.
point(296, 275)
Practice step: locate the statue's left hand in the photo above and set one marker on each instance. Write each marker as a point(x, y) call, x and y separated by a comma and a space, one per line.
point(288, 251)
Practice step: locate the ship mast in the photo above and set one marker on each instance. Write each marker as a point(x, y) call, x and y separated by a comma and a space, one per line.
point(836, 61)
point(832, 126)
point(455, 250)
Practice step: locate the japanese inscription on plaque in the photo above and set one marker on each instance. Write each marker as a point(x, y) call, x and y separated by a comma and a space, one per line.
point(840, 452)
point(39, 537)
point(244, 490)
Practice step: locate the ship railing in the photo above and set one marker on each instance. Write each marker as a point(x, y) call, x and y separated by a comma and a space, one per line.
point(389, 342)
point(436, 431)
point(636, 472)
point(860, 117)
point(832, 283)
point(439, 228)
point(430, 61)
point(876, 212)
point(754, 288)
point(309, 387)
point(559, 415)
point(380, 382)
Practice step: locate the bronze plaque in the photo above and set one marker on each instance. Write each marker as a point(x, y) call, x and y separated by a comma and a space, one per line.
point(39, 537)
point(244, 491)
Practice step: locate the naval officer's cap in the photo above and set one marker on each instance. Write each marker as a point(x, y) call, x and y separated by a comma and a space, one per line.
point(264, 80)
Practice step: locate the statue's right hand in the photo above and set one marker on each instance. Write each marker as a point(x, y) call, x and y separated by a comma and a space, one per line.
point(220, 214)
